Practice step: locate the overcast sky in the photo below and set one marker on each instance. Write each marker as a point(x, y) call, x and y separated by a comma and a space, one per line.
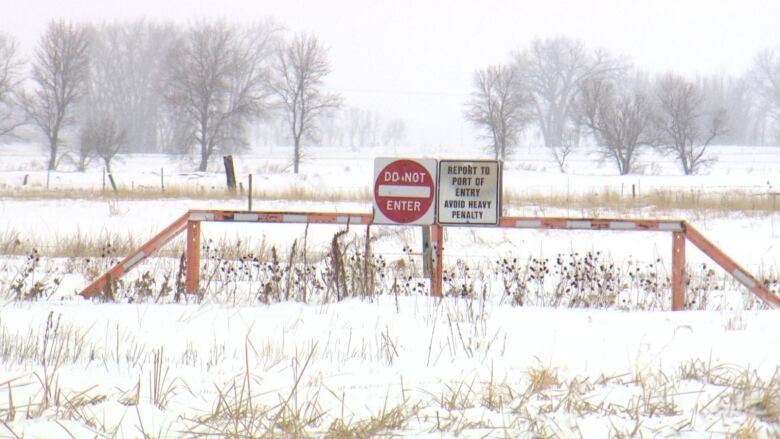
point(414, 59)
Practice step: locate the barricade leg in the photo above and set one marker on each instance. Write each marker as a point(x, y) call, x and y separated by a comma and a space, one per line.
point(437, 241)
point(678, 271)
point(193, 257)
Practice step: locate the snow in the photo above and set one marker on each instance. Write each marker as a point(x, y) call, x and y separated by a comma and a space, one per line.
point(419, 366)
point(366, 352)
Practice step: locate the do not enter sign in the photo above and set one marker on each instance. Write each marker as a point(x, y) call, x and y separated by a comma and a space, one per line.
point(404, 191)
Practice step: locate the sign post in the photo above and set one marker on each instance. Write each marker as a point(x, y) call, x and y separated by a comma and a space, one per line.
point(469, 192)
point(404, 191)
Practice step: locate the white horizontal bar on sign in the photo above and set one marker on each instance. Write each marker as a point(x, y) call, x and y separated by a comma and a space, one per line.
point(391, 190)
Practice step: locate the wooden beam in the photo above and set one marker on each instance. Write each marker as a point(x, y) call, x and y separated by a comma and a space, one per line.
point(740, 274)
point(193, 257)
point(129, 262)
point(678, 271)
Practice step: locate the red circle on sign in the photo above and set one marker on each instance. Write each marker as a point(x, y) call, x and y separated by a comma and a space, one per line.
point(403, 191)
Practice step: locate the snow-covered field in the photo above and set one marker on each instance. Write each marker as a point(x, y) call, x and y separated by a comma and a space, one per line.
point(388, 364)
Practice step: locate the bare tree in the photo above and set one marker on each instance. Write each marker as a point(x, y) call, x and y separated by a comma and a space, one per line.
point(499, 108)
point(369, 132)
point(11, 116)
point(745, 113)
point(554, 71)
point(620, 117)
point(361, 126)
point(764, 78)
point(217, 81)
point(686, 126)
point(125, 82)
point(395, 132)
point(569, 141)
point(59, 74)
point(103, 138)
point(302, 64)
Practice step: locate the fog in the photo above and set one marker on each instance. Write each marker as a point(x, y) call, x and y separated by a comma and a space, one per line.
point(415, 60)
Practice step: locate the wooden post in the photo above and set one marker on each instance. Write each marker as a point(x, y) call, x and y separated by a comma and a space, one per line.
point(437, 242)
point(113, 183)
point(678, 271)
point(162, 179)
point(427, 255)
point(230, 173)
point(193, 257)
point(249, 192)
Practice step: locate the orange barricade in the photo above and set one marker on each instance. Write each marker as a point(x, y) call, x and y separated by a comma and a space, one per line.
point(681, 232)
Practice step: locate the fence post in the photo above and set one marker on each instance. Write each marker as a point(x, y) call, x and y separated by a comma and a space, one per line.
point(249, 196)
point(193, 257)
point(113, 183)
point(230, 173)
point(427, 255)
point(437, 242)
point(678, 271)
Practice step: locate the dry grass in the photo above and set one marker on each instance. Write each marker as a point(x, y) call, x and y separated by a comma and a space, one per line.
point(658, 199)
point(200, 192)
point(77, 244)
point(383, 423)
point(542, 400)
point(237, 271)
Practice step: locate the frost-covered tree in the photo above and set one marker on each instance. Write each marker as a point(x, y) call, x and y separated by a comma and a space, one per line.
point(687, 124)
point(764, 77)
point(619, 114)
point(59, 75)
point(217, 82)
point(554, 70)
point(11, 115)
point(499, 107)
point(125, 82)
point(301, 66)
point(745, 113)
point(103, 139)
point(394, 133)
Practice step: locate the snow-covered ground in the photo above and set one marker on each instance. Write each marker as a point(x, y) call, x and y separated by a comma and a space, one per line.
point(390, 364)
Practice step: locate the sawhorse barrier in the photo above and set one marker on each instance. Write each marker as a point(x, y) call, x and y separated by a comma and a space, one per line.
point(191, 221)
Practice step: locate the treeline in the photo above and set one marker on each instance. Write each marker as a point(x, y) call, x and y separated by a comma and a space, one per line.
point(570, 94)
point(94, 91)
